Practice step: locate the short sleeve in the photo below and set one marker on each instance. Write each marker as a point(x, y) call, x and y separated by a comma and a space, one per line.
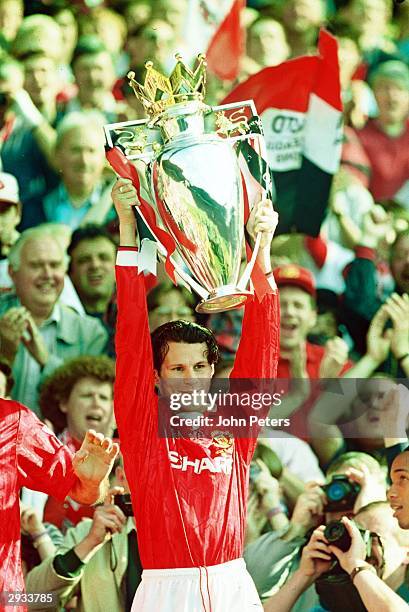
point(43, 463)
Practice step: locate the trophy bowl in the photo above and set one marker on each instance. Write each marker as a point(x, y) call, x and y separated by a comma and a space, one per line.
point(193, 180)
point(197, 179)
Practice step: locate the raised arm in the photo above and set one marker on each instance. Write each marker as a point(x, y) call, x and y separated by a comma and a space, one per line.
point(258, 351)
point(361, 298)
point(134, 384)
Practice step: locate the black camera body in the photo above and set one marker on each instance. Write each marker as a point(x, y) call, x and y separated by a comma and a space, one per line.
point(337, 535)
point(124, 503)
point(334, 588)
point(341, 493)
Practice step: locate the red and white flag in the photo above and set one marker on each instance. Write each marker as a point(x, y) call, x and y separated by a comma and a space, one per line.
point(213, 27)
point(299, 102)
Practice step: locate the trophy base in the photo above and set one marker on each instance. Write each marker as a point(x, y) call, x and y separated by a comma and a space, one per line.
point(223, 299)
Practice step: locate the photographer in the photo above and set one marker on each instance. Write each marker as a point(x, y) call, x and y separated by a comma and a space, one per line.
point(275, 556)
point(317, 559)
point(375, 594)
point(98, 560)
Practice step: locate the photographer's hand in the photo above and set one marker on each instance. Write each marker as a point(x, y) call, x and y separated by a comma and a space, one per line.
point(308, 511)
point(356, 554)
point(315, 560)
point(316, 555)
point(371, 489)
point(375, 594)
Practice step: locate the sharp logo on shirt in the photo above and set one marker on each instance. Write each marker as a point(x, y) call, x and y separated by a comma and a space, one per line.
point(218, 465)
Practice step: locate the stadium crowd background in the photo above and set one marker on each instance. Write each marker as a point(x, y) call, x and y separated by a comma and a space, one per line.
point(344, 296)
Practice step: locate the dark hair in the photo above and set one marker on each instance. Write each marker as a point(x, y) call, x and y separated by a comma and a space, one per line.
point(88, 45)
point(327, 300)
point(6, 369)
point(342, 29)
point(58, 386)
point(90, 231)
point(182, 331)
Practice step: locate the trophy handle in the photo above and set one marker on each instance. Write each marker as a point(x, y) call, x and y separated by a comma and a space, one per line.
point(242, 284)
point(178, 269)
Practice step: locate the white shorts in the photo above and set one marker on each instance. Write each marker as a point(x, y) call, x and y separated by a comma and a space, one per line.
point(227, 587)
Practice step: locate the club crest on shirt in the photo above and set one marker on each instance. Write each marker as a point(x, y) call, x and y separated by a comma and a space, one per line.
point(222, 443)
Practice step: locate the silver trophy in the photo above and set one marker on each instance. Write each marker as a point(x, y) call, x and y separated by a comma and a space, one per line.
point(192, 175)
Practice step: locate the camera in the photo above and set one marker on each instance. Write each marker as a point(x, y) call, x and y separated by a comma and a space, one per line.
point(334, 588)
point(337, 534)
point(124, 503)
point(341, 494)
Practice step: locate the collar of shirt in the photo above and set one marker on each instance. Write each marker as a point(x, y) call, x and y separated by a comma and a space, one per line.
point(55, 317)
point(93, 199)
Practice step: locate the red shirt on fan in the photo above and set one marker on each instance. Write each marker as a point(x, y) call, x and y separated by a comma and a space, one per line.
point(189, 498)
point(30, 456)
point(388, 160)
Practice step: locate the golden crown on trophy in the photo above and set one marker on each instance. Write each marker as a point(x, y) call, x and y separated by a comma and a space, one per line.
point(159, 92)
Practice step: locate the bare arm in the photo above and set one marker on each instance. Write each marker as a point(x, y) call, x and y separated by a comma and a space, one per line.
point(376, 595)
point(315, 560)
point(43, 132)
point(288, 594)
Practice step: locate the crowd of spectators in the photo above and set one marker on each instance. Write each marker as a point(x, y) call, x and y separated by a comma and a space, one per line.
point(344, 296)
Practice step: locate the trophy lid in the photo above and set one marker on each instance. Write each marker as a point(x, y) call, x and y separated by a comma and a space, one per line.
point(160, 92)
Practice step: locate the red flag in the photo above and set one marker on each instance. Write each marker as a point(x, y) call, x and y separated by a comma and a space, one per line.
point(299, 102)
point(214, 27)
point(227, 45)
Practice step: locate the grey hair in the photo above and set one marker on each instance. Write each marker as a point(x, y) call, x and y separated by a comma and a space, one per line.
point(41, 231)
point(84, 120)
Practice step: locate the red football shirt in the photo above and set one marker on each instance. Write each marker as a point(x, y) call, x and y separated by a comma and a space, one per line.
point(189, 496)
point(389, 159)
point(30, 456)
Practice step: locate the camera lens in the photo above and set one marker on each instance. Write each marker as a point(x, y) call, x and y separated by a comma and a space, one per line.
point(334, 531)
point(336, 491)
point(337, 534)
